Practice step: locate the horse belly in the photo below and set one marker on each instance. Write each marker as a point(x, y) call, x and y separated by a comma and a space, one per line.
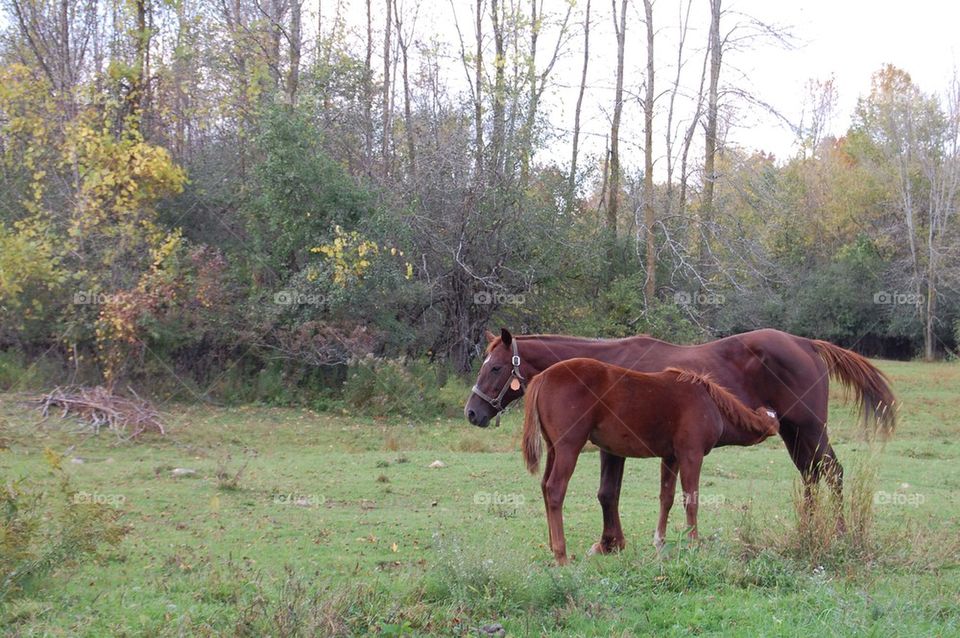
point(623, 442)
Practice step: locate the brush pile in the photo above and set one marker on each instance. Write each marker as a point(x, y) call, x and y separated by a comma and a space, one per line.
point(98, 407)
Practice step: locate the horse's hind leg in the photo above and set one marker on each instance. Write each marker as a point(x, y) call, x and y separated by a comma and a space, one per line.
point(543, 488)
point(810, 449)
point(554, 491)
point(690, 465)
point(668, 489)
point(611, 478)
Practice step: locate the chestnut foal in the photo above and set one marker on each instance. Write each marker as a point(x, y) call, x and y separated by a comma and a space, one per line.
point(676, 415)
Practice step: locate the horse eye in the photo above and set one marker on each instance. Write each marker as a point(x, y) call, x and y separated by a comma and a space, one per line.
point(496, 368)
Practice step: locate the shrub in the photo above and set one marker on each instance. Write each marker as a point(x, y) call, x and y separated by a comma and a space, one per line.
point(462, 578)
point(398, 387)
point(40, 530)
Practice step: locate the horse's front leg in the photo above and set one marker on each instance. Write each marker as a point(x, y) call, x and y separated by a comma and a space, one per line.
point(611, 478)
point(690, 465)
point(668, 488)
point(554, 491)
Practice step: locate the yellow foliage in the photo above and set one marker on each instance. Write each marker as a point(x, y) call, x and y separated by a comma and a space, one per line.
point(350, 256)
point(26, 261)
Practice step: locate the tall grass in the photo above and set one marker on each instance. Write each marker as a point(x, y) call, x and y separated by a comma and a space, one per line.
point(41, 530)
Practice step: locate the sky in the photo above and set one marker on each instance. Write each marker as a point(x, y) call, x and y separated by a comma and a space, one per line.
point(850, 40)
point(846, 39)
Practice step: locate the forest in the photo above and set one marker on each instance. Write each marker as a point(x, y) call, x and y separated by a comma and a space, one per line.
point(248, 199)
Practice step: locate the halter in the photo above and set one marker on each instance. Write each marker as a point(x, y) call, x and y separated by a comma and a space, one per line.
point(497, 402)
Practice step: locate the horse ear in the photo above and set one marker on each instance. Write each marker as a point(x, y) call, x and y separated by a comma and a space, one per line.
point(506, 337)
point(489, 335)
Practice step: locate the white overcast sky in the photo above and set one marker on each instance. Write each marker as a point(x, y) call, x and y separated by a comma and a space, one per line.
point(848, 39)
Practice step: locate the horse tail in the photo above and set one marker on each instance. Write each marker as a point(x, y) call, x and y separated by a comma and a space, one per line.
point(761, 421)
point(532, 444)
point(870, 386)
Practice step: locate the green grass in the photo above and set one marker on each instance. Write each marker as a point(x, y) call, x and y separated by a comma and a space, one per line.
point(336, 524)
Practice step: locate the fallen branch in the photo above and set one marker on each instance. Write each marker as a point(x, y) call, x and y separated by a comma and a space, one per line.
point(128, 418)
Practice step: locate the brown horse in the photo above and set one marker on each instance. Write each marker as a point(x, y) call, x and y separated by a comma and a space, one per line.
point(767, 367)
point(676, 415)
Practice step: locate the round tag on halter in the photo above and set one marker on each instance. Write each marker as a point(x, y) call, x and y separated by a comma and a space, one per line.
point(514, 384)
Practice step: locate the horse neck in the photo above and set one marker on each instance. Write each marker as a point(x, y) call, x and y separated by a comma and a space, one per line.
point(734, 435)
point(737, 433)
point(541, 352)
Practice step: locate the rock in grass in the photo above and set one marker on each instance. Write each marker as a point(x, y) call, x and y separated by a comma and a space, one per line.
point(493, 629)
point(182, 471)
point(437, 464)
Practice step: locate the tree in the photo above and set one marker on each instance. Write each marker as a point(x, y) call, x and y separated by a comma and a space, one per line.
point(914, 142)
point(710, 138)
point(575, 143)
point(650, 283)
point(613, 186)
point(295, 45)
point(387, 92)
point(403, 41)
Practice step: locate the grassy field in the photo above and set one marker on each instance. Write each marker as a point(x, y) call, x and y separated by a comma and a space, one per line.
point(298, 523)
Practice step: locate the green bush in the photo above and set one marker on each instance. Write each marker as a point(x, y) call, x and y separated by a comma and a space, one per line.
point(41, 530)
point(461, 578)
point(621, 311)
point(399, 387)
point(17, 373)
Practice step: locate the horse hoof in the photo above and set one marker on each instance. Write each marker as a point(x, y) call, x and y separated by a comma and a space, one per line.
point(600, 548)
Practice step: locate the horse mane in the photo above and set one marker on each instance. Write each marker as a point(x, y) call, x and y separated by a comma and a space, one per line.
point(757, 421)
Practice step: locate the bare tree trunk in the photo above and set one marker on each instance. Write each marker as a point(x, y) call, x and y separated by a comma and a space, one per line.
point(407, 110)
point(237, 27)
point(180, 96)
point(670, 136)
point(499, 97)
point(274, 33)
point(64, 44)
point(688, 140)
point(385, 154)
point(527, 141)
point(613, 193)
point(710, 140)
point(572, 179)
point(650, 285)
point(140, 44)
point(478, 94)
point(368, 91)
point(296, 45)
point(536, 84)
